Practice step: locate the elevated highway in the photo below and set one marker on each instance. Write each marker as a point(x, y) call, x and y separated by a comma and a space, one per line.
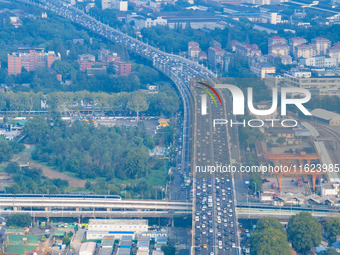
point(105, 207)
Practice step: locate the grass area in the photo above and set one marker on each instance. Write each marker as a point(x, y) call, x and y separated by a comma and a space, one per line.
point(2, 168)
point(19, 248)
point(156, 178)
point(17, 239)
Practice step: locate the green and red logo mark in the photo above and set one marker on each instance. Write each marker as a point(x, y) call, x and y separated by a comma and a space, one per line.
point(204, 97)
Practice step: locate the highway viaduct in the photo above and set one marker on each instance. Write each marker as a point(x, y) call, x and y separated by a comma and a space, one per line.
point(113, 208)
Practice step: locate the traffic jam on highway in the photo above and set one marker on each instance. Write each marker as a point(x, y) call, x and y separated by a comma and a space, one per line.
point(214, 221)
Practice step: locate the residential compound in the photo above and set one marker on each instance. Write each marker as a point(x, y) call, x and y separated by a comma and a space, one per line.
point(106, 59)
point(30, 60)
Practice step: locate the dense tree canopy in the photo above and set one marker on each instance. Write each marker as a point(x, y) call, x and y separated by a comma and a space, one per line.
point(304, 232)
point(166, 102)
point(269, 238)
point(8, 148)
point(90, 151)
point(19, 220)
point(332, 229)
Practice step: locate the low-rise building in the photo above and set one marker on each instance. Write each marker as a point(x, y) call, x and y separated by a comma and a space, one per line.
point(141, 21)
point(87, 248)
point(330, 189)
point(119, 5)
point(100, 228)
point(87, 57)
point(270, 17)
point(323, 86)
point(262, 69)
point(320, 61)
point(247, 50)
point(195, 22)
point(332, 118)
point(122, 68)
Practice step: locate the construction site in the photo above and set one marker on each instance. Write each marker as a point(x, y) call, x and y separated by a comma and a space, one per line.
point(311, 174)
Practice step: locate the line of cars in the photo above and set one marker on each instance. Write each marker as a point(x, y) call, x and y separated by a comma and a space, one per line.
point(214, 217)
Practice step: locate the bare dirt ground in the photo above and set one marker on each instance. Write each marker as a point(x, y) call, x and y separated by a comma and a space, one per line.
point(25, 159)
point(53, 174)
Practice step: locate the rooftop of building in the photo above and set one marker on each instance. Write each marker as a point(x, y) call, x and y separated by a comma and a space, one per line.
point(324, 114)
point(118, 221)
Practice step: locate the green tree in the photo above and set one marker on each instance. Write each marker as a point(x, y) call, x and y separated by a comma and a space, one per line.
point(136, 163)
point(168, 249)
point(19, 220)
point(269, 241)
point(62, 67)
point(255, 182)
point(137, 103)
point(6, 151)
point(330, 251)
point(66, 240)
point(12, 168)
point(332, 229)
point(267, 222)
point(36, 130)
point(304, 232)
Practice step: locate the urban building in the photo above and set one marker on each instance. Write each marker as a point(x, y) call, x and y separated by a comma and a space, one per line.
point(296, 41)
point(331, 118)
point(321, 62)
point(270, 17)
point(279, 49)
point(215, 44)
point(141, 22)
point(195, 22)
point(330, 189)
point(305, 51)
point(30, 60)
point(334, 52)
point(115, 4)
point(299, 73)
point(286, 60)
point(87, 58)
point(100, 228)
point(321, 45)
point(215, 56)
point(245, 49)
point(276, 40)
point(121, 68)
point(202, 56)
point(193, 50)
point(262, 69)
point(87, 248)
point(323, 86)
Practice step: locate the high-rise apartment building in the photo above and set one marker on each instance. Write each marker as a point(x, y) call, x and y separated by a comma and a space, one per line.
point(30, 60)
